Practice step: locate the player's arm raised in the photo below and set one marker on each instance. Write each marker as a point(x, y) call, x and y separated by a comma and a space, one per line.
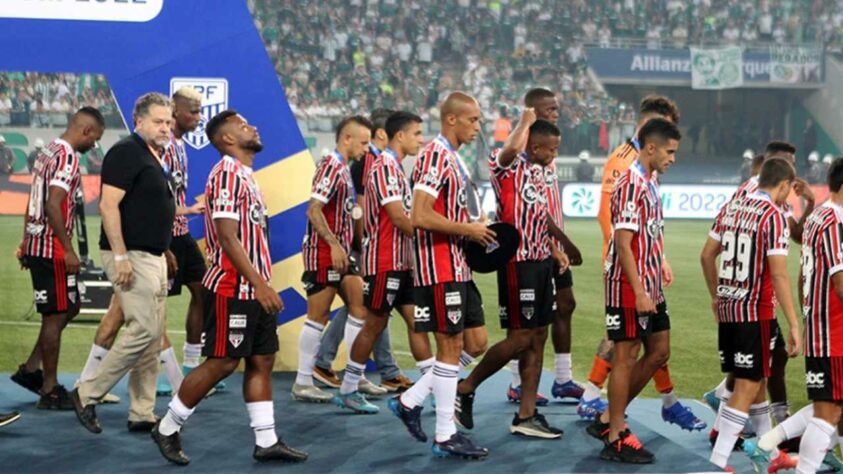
point(708, 260)
point(423, 216)
point(781, 287)
point(803, 190)
point(232, 247)
point(517, 140)
point(339, 258)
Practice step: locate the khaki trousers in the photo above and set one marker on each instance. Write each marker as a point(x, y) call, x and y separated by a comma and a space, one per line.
point(137, 350)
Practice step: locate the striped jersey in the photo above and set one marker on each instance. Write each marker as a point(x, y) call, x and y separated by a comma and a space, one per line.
point(747, 187)
point(232, 193)
point(56, 165)
point(332, 187)
point(175, 157)
point(385, 248)
point(360, 169)
point(521, 195)
point(440, 172)
point(636, 207)
point(554, 199)
point(822, 257)
point(751, 229)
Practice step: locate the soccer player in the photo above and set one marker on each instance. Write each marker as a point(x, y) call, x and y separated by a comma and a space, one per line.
point(327, 243)
point(636, 311)
point(619, 161)
point(526, 292)
point(47, 251)
point(447, 300)
point(546, 107)
point(240, 305)
point(387, 258)
point(751, 240)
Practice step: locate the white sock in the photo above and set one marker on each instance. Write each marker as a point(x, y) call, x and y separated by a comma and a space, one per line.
point(445, 390)
point(262, 421)
point(516, 375)
point(780, 410)
point(425, 365)
point(352, 329)
point(416, 395)
point(192, 353)
point(591, 392)
point(351, 378)
point(669, 399)
point(177, 415)
point(814, 445)
point(466, 359)
point(727, 394)
point(721, 387)
point(95, 357)
point(731, 423)
point(309, 340)
point(563, 368)
point(759, 413)
point(171, 368)
point(773, 438)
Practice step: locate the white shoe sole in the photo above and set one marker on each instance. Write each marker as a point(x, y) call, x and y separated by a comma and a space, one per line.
point(524, 431)
point(110, 398)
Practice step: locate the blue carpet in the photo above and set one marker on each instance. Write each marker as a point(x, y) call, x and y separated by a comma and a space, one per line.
point(218, 438)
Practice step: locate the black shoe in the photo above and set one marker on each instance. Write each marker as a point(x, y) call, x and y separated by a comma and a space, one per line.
point(9, 418)
point(56, 399)
point(170, 446)
point(628, 449)
point(459, 445)
point(87, 415)
point(31, 381)
point(535, 426)
point(712, 438)
point(598, 430)
point(790, 445)
point(142, 426)
point(410, 417)
point(279, 452)
point(464, 408)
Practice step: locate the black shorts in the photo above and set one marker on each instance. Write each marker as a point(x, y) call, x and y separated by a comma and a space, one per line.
point(448, 307)
point(387, 290)
point(623, 324)
point(55, 291)
point(824, 378)
point(526, 295)
point(191, 264)
point(237, 328)
point(746, 348)
point(562, 281)
point(316, 281)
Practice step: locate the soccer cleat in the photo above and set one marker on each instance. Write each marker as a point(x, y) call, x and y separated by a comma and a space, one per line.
point(712, 400)
point(279, 452)
point(782, 462)
point(397, 385)
point(464, 409)
point(683, 417)
point(598, 430)
point(163, 389)
point(356, 402)
point(627, 449)
point(326, 377)
point(514, 395)
point(588, 409)
point(57, 399)
point(368, 388)
point(411, 417)
point(459, 445)
point(831, 461)
point(170, 446)
point(712, 438)
point(310, 393)
point(535, 426)
point(757, 456)
point(9, 418)
point(569, 389)
point(31, 381)
point(86, 415)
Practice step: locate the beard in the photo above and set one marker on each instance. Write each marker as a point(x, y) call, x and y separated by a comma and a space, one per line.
point(254, 146)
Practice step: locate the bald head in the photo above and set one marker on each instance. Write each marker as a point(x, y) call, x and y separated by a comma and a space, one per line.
point(460, 116)
point(457, 103)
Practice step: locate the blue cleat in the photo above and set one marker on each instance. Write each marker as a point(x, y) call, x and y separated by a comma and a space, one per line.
point(356, 402)
point(683, 417)
point(712, 400)
point(569, 389)
point(832, 461)
point(459, 445)
point(757, 456)
point(588, 409)
point(411, 417)
point(514, 395)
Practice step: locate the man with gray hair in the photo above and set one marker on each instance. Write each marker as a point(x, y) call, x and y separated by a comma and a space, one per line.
point(137, 204)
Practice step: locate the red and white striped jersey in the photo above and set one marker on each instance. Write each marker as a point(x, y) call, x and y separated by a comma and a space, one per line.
point(747, 187)
point(56, 165)
point(554, 199)
point(232, 193)
point(521, 195)
point(332, 187)
point(751, 229)
point(822, 257)
point(636, 206)
point(439, 171)
point(175, 157)
point(385, 248)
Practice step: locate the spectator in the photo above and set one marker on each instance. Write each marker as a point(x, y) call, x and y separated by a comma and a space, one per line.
point(7, 158)
point(584, 170)
point(746, 166)
point(814, 173)
point(30, 159)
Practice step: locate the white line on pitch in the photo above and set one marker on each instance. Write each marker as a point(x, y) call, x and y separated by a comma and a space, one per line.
point(71, 326)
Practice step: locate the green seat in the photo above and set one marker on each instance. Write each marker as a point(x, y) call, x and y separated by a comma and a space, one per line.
point(15, 139)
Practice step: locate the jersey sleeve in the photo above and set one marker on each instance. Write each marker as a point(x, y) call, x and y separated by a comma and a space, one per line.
point(224, 194)
point(716, 231)
point(495, 166)
point(626, 206)
point(325, 180)
point(385, 182)
point(834, 247)
point(65, 169)
point(777, 235)
point(428, 171)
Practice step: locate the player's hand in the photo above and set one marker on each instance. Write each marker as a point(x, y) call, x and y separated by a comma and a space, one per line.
point(574, 255)
point(644, 305)
point(339, 259)
point(269, 299)
point(125, 273)
point(479, 232)
point(172, 264)
point(197, 208)
point(667, 274)
point(714, 310)
point(794, 342)
point(21, 256)
point(562, 260)
point(803, 190)
point(71, 262)
point(528, 116)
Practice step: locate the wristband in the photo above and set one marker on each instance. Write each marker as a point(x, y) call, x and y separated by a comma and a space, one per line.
point(121, 258)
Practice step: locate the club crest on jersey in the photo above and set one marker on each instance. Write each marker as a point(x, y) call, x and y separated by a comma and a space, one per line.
point(653, 227)
point(461, 198)
point(214, 91)
point(255, 214)
point(529, 194)
point(349, 205)
point(235, 338)
point(366, 287)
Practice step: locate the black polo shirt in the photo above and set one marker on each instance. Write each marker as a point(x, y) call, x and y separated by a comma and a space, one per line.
point(148, 209)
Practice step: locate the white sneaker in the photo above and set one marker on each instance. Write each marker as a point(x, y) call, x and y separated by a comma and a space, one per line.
point(367, 387)
point(310, 393)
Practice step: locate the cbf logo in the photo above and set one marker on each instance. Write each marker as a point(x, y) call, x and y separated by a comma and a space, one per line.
point(214, 100)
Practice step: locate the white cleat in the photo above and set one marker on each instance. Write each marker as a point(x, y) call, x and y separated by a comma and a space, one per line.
point(310, 393)
point(368, 388)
